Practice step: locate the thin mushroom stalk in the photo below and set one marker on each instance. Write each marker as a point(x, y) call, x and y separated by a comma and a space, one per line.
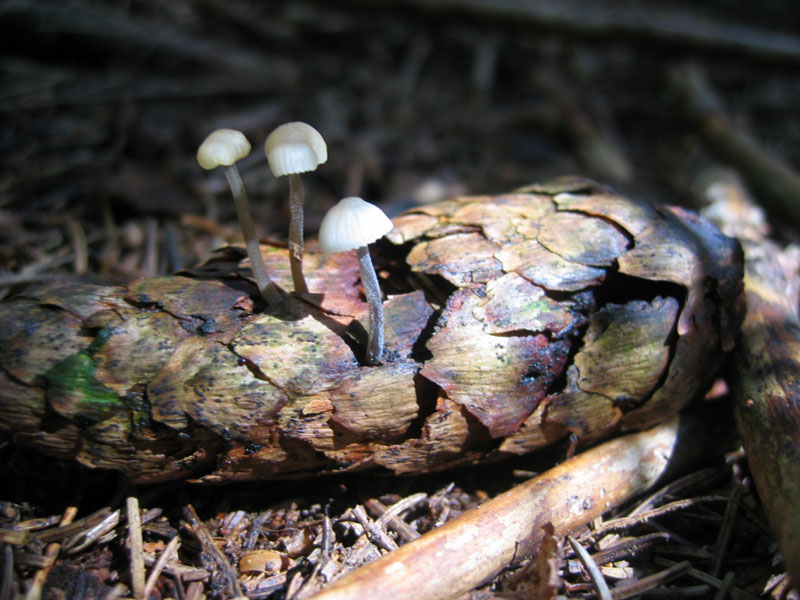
point(353, 224)
point(265, 285)
point(296, 225)
point(222, 148)
point(373, 293)
point(291, 149)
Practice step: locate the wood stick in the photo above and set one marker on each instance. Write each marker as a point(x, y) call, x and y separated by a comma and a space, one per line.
point(465, 552)
point(51, 552)
point(770, 176)
point(160, 564)
point(636, 588)
point(592, 568)
point(390, 518)
point(136, 547)
point(735, 592)
point(766, 379)
point(666, 24)
point(227, 575)
point(6, 581)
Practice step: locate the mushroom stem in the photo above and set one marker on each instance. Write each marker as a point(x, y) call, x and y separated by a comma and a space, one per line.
point(265, 285)
point(296, 202)
point(370, 281)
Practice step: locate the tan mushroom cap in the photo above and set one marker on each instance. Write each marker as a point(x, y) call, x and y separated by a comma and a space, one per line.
point(222, 147)
point(295, 148)
point(352, 223)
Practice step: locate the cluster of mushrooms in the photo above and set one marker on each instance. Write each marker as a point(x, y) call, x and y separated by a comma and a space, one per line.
point(352, 224)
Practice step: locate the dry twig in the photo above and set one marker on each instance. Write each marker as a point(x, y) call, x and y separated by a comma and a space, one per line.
point(213, 553)
point(136, 548)
point(591, 567)
point(472, 548)
point(624, 523)
point(765, 381)
point(388, 516)
point(636, 588)
point(160, 564)
point(665, 24)
point(735, 592)
point(35, 591)
point(774, 179)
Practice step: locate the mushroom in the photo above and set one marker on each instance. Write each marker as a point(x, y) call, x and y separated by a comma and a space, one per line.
point(351, 225)
point(224, 147)
point(291, 149)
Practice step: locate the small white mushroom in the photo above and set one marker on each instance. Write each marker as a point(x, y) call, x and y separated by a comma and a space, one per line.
point(291, 149)
point(222, 148)
point(351, 225)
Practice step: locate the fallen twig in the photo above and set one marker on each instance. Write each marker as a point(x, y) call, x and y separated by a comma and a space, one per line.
point(666, 24)
point(629, 547)
point(671, 490)
point(624, 523)
point(136, 548)
point(375, 531)
point(212, 551)
point(472, 548)
point(160, 564)
point(775, 181)
point(766, 380)
point(388, 516)
point(185, 573)
point(85, 538)
point(725, 587)
point(591, 567)
point(724, 536)
point(597, 149)
point(639, 586)
point(735, 592)
point(7, 574)
point(35, 591)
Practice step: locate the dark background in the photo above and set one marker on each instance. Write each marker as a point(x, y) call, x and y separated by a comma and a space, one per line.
point(103, 105)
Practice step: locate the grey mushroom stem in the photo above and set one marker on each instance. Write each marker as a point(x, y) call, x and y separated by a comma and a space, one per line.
point(296, 202)
point(373, 292)
point(266, 286)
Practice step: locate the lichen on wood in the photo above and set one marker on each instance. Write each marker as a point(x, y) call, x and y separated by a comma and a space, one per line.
point(511, 322)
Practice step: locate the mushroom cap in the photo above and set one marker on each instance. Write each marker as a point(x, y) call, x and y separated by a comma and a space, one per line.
point(295, 148)
point(222, 147)
point(352, 223)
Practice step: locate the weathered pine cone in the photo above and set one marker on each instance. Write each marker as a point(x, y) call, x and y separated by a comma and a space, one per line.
point(512, 321)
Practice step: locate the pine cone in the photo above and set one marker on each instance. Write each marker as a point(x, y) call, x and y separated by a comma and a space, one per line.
point(512, 321)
